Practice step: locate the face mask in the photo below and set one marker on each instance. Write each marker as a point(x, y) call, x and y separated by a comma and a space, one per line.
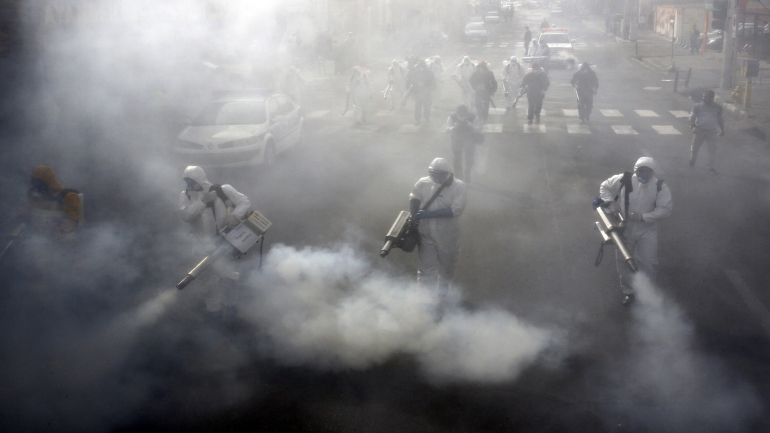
point(39, 186)
point(644, 177)
point(438, 176)
point(193, 185)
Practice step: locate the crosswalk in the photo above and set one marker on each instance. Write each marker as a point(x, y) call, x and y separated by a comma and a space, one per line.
point(554, 120)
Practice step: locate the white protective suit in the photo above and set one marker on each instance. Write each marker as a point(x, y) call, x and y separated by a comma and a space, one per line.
point(463, 75)
point(360, 92)
point(439, 244)
point(641, 236)
point(511, 70)
point(437, 67)
point(206, 222)
point(397, 76)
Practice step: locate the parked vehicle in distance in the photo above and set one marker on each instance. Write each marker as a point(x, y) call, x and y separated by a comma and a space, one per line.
point(475, 31)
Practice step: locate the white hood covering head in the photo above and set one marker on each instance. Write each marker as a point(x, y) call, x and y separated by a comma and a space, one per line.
point(197, 174)
point(440, 164)
point(646, 161)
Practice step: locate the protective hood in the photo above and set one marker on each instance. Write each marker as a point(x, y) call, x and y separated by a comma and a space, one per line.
point(466, 58)
point(440, 164)
point(197, 174)
point(646, 161)
point(46, 174)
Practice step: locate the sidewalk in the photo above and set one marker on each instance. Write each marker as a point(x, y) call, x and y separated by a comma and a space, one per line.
point(655, 52)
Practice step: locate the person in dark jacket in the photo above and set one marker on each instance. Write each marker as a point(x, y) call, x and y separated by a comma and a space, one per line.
point(527, 39)
point(586, 84)
point(484, 86)
point(422, 83)
point(536, 83)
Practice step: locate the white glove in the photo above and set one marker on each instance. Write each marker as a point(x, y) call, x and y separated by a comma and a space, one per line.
point(209, 197)
point(614, 207)
point(232, 221)
point(635, 217)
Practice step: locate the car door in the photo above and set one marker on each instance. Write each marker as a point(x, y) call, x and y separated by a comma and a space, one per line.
point(276, 122)
point(287, 108)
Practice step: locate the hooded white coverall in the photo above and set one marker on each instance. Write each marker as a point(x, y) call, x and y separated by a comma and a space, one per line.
point(396, 75)
point(439, 244)
point(463, 74)
point(641, 237)
point(360, 92)
point(508, 77)
point(206, 222)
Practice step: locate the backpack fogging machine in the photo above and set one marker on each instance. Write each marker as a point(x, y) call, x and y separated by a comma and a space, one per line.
point(237, 241)
point(610, 227)
point(402, 234)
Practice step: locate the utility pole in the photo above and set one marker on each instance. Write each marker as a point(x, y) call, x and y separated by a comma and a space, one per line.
point(728, 48)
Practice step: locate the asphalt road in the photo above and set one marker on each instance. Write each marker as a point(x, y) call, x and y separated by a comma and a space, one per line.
point(690, 356)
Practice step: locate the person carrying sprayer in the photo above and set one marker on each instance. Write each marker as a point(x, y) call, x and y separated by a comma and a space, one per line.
point(421, 83)
point(508, 76)
point(209, 210)
point(465, 130)
point(437, 67)
point(484, 86)
point(439, 229)
point(462, 76)
point(359, 92)
point(586, 83)
point(643, 200)
point(535, 83)
point(396, 83)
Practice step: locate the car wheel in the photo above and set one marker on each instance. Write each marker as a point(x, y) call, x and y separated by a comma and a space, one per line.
point(269, 158)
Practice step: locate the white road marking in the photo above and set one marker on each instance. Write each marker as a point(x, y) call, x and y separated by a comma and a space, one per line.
point(751, 299)
point(316, 114)
point(652, 88)
point(611, 113)
point(578, 129)
point(666, 130)
point(624, 129)
point(646, 113)
point(409, 127)
point(570, 112)
point(537, 129)
point(503, 45)
point(329, 129)
point(519, 44)
point(492, 127)
point(384, 113)
point(497, 110)
point(679, 113)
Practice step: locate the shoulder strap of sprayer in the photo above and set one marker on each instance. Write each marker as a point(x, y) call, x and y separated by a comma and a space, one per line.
point(221, 194)
point(627, 187)
point(438, 191)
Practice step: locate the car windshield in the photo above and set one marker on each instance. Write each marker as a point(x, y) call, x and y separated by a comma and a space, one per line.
point(232, 113)
point(475, 26)
point(554, 38)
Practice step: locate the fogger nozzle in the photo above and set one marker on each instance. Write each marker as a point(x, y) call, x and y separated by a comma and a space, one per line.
point(611, 232)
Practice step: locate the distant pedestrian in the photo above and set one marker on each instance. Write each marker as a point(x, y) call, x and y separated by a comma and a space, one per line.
point(527, 39)
point(544, 25)
point(422, 83)
point(465, 129)
point(705, 121)
point(535, 84)
point(694, 39)
point(586, 83)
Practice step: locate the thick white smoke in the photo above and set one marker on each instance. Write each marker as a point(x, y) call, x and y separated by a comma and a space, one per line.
point(328, 308)
point(674, 386)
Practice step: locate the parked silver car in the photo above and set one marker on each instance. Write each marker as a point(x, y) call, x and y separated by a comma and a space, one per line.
point(241, 130)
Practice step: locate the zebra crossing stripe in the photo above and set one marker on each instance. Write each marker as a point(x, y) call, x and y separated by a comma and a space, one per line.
point(666, 130)
point(519, 44)
point(623, 129)
point(536, 129)
point(611, 113)
point(497, 110)
point(329, 129)
point(503, 45)
point(409, 127)
point(678, 113)
point(384, 113)
point(316, 114)
point(492, 127)
point(646, 113)
point(578, 129)
point(570, 112)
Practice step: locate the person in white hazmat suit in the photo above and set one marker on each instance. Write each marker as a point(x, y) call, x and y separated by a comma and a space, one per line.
point(360, 93)
point(437, 67)
point(210, 209)
point(509, 77)
point(462, 75)
point(397, 80)
point(439, 229)
point(649, 201)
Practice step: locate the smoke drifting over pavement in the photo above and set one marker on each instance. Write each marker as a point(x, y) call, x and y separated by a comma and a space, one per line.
point(328, 308)
point(673, 386)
